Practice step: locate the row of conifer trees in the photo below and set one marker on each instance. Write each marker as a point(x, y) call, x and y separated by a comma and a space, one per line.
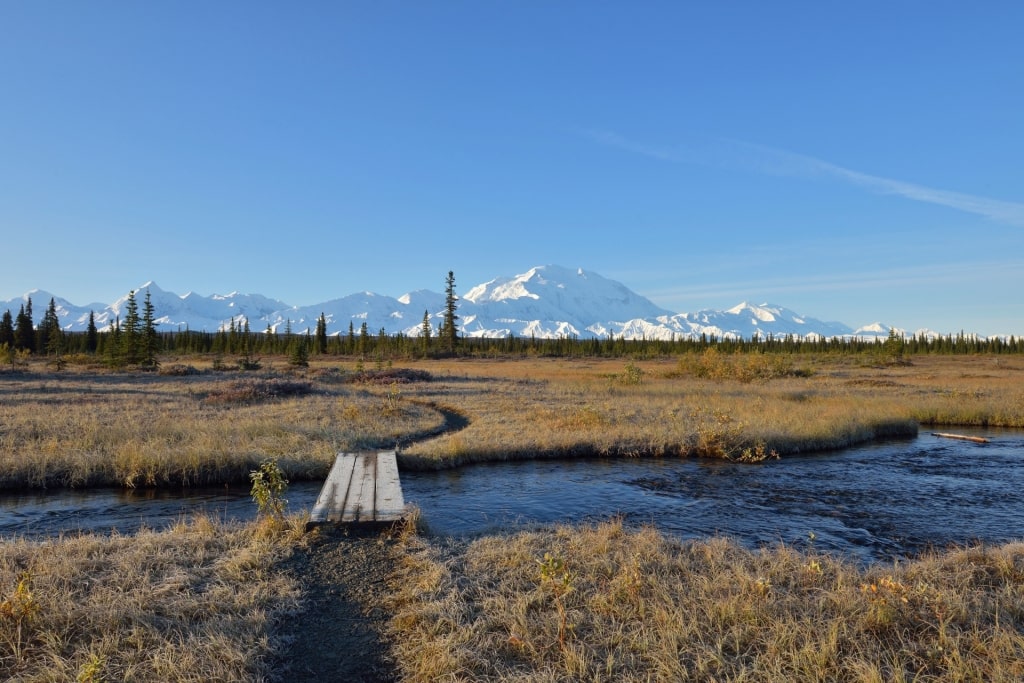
point(135, 341)
point(132, 341)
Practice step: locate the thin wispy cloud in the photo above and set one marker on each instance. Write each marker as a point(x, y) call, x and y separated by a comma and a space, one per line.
point(881, 279)
point(612, 139)
point(781, 162)
point(791, 163)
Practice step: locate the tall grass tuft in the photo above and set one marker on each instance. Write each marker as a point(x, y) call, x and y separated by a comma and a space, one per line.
point(93, 429)
point(193, 602)
point(612, 604)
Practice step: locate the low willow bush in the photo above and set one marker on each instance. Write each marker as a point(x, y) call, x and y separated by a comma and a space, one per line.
point(743, 367)
point(388, 376)
point(256, 390)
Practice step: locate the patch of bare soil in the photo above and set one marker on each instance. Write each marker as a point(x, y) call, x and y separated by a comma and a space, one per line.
point(339, 633)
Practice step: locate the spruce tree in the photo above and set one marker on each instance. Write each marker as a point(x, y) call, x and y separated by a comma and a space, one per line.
point(113, 344)
point(31, 325)
point(43, 333)
point(232, 343)
point(321, 334)
point(150, 339)
point(49, 336)
point(364, 339)
point(893, 347)
point(449, 328)
point(425, 333)
point(7, 329)
point(299, 351)
point(24, 334)
point(247, 362)
point(382, 346)
point(131, 332)
point(92, 335)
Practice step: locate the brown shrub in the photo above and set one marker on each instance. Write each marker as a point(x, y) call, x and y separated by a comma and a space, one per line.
point(247, 391)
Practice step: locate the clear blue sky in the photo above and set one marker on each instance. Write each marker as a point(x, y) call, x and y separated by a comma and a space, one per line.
point(857, 162)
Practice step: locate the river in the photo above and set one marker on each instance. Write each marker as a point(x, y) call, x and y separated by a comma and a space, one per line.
point(874, 502)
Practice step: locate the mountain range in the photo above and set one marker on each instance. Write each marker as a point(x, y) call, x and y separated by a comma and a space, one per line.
point(544, 302)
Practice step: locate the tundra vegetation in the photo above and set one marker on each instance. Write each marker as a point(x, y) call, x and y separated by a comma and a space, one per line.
point(194, 602)
point(604, 603)
point(198, 600)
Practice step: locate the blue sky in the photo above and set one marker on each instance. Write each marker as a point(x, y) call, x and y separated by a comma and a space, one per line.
point(857, 162)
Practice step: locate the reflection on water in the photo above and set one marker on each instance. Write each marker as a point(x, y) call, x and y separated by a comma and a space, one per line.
point(873, 502)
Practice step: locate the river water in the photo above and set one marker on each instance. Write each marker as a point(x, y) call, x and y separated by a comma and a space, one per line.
point(874, 502)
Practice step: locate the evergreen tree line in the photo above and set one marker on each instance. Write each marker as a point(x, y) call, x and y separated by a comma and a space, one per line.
point(135, 341)
point(238, 340)
point(19, 333)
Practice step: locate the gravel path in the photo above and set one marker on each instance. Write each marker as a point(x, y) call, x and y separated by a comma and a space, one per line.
point(339, 635)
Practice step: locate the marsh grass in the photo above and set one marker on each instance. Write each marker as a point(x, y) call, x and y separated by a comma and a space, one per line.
point(592, 603)
point(604, 603)
point(193, 602)
point(558, 408)
point(82, 428)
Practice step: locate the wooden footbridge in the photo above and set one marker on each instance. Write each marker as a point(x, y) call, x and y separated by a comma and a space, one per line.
point(361, 488)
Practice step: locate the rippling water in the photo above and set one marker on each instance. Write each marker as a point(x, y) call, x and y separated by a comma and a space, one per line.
point(872, 502)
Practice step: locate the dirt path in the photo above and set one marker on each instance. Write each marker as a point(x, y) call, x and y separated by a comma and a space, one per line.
point(339, 634)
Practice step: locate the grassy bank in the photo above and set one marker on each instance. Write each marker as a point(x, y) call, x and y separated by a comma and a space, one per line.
point(91, 428)
point(204, 601)
point(192, 603)
point(606, 604)
point(744, 409)
point(199, 601)
point(88, 427)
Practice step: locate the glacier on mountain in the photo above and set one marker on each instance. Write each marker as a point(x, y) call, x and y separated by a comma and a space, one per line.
point(545, 302)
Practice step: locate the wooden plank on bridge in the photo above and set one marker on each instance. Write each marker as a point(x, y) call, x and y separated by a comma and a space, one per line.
point(389, 504)
point(361, 487)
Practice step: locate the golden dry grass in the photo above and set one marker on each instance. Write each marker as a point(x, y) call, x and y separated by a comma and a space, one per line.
point(606, 604)
point(86, 427)
point(191, 603)
point(599, 603)
point(539, 408)
point(93, 428)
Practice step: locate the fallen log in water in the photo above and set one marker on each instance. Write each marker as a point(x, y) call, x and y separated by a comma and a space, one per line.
point(963, 437)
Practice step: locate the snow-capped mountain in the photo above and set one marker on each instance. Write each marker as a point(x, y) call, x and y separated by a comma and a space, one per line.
point(544, 302)
point(550, 302)
point(747, 321)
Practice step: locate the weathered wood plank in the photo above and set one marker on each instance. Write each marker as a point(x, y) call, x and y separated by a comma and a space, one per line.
point(389, 504)
point(361, 487)
point(332, 496)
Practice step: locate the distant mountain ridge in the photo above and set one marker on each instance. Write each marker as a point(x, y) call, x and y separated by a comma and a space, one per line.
point(545, 302)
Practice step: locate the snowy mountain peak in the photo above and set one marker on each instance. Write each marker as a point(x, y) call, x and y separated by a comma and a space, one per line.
point(542, 282)
point(746, 320)
point(874, 328)
point(545, 301)
point(764, 313)
point(525, 285)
